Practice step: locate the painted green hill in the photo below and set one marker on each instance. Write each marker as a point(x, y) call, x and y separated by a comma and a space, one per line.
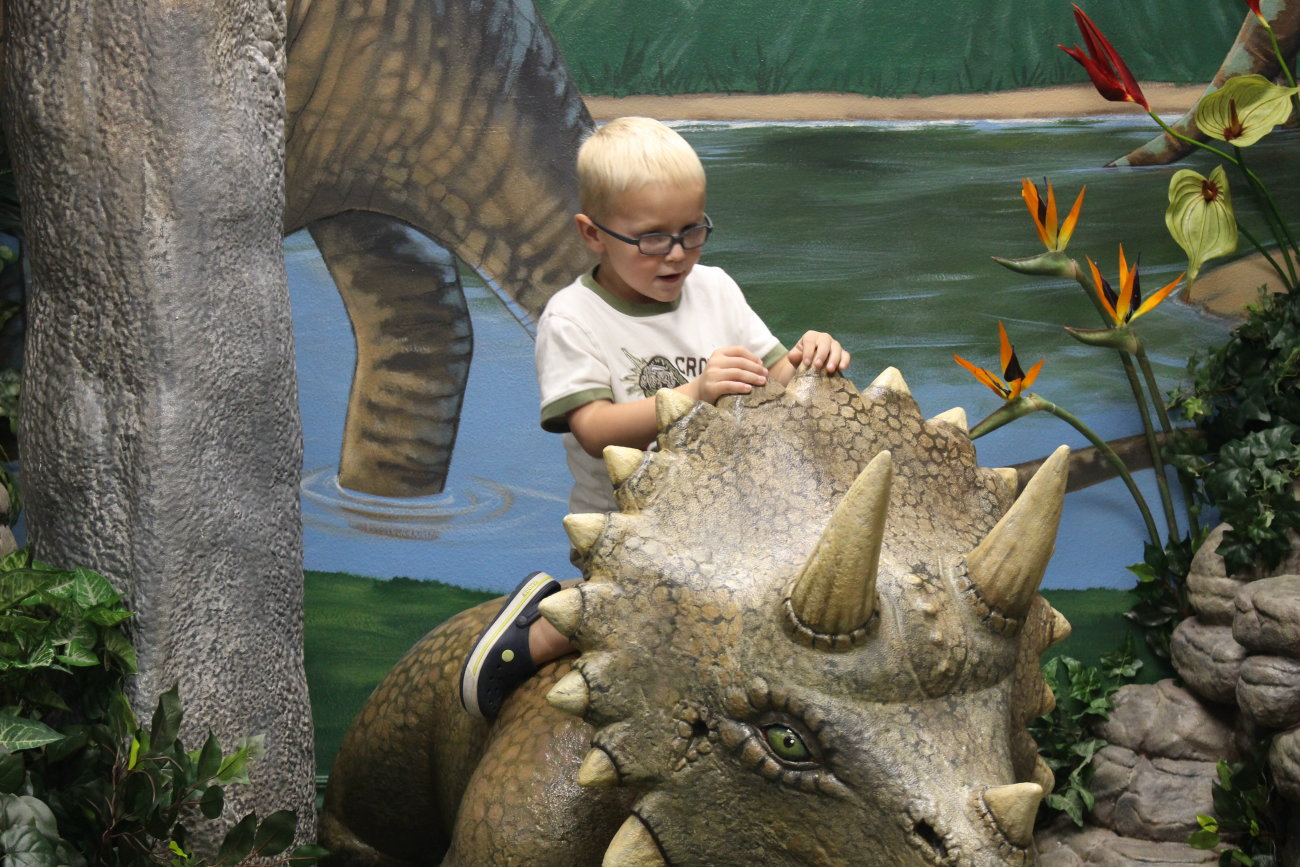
point(875, 47)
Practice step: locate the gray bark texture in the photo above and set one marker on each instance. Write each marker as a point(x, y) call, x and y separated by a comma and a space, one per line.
point(160, 435)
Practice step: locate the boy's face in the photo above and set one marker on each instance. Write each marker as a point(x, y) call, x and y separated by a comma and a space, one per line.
point(625, 271)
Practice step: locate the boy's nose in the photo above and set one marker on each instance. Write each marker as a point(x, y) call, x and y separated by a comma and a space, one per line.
point(676, 252)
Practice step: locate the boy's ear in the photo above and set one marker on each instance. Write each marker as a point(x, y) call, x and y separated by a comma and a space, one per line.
point(589, 233)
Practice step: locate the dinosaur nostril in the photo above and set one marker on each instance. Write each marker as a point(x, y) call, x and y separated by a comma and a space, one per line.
point(699, 730)
point(927, 833)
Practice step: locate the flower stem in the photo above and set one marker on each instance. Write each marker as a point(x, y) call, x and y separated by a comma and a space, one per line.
point(1157, 455)
point(1109, 453)
point(1272, 216)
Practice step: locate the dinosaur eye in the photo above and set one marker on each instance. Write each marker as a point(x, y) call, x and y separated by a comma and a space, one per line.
point(787, 744)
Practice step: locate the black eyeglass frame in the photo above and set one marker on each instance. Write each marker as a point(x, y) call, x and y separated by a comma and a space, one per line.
point(674, 240)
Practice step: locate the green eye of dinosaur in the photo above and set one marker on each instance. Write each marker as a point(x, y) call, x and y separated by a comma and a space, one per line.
point(786, 744)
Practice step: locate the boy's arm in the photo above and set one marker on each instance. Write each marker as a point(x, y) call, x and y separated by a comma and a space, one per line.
point(600, 423)
point(815, 348)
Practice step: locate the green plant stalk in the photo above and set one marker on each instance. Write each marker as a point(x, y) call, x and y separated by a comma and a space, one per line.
point(1250, 177)
point(1028, 403)
point(1276, 224)
point(1281, 275)
point(1140, 400)
point(1281, 62)
point(1157, 454)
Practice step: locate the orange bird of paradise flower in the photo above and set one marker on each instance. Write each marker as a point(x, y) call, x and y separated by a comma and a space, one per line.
point(1103, 64)
point(1043, 211)
point(1014, 380)
point(1127, 305)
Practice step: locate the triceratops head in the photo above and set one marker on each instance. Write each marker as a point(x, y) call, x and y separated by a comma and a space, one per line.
point(811, 634)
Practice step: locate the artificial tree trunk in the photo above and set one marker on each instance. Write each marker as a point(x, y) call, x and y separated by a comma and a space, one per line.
point(160, 436)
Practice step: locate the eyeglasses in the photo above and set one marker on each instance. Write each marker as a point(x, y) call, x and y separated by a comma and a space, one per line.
point(661, 243)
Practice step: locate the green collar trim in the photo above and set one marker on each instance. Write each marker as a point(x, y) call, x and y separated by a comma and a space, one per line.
point(647, 308)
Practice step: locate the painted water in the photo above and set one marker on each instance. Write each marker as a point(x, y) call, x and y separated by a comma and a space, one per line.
point(879, 233)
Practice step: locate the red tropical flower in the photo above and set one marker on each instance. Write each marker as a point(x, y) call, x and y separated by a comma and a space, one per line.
point(1103, 64)
point(1254, 7)
point(1014, 380)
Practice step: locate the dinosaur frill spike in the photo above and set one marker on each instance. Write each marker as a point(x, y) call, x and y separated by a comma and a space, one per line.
point(633, 846)
point(835, 592)
point(621, 463)
point(563, 610)
point(1013, 809)
point(584, 530)
point(671, 406)
point(571, 694)
point(955, 417)
point(1006, 567)
point(891, 380)
point(597, 771)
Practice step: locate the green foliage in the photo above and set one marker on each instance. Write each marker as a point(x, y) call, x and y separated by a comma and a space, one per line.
point(1245, 400)
point(1065, 735)
point(81, 781)
point(1161, 590)
point(1243, 814)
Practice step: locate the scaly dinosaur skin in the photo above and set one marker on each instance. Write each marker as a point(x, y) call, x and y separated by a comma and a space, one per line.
point(809, 636)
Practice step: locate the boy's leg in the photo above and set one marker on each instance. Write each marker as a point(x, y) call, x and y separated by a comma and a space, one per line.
point(501, 658)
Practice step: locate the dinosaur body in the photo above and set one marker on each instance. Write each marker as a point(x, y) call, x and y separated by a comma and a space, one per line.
point(418, 121)
point(809, 636)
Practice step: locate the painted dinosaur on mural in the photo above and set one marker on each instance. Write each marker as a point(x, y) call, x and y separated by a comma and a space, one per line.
point(417, 121)
point(1251, 53)
point(810, 635)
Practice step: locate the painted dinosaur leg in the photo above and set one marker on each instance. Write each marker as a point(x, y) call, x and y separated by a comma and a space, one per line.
point(1252, 52)
point(414, 344)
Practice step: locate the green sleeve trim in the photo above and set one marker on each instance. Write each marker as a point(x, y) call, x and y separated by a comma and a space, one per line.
point(777, 353)
point(554, 414)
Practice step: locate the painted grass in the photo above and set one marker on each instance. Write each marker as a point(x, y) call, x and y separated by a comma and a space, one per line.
point(876, 47)
point(357, 628)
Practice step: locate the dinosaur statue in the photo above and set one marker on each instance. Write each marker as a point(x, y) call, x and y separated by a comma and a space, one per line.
point(457, 122)
point(811, 635)
point(1251, 52)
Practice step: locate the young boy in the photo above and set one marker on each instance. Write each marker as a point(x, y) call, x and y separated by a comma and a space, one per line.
point(646, 317)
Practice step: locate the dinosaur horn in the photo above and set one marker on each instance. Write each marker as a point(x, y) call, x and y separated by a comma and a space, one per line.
point(836, 591)
point(1008, 564)
point(1013, 809)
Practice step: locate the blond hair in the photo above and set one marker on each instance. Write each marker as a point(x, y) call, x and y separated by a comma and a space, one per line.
point(629, 153)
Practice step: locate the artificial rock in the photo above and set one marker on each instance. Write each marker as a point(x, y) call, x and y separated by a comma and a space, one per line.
point(1208, 659)
point(1150, 798)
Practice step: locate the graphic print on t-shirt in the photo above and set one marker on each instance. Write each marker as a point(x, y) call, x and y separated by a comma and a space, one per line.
point(647, 377)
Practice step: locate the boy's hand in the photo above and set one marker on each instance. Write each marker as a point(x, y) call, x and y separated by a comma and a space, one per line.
point(731, 370)
point(819, 349)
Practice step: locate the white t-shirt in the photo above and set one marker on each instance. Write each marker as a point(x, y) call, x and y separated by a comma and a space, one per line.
point(592, 345)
